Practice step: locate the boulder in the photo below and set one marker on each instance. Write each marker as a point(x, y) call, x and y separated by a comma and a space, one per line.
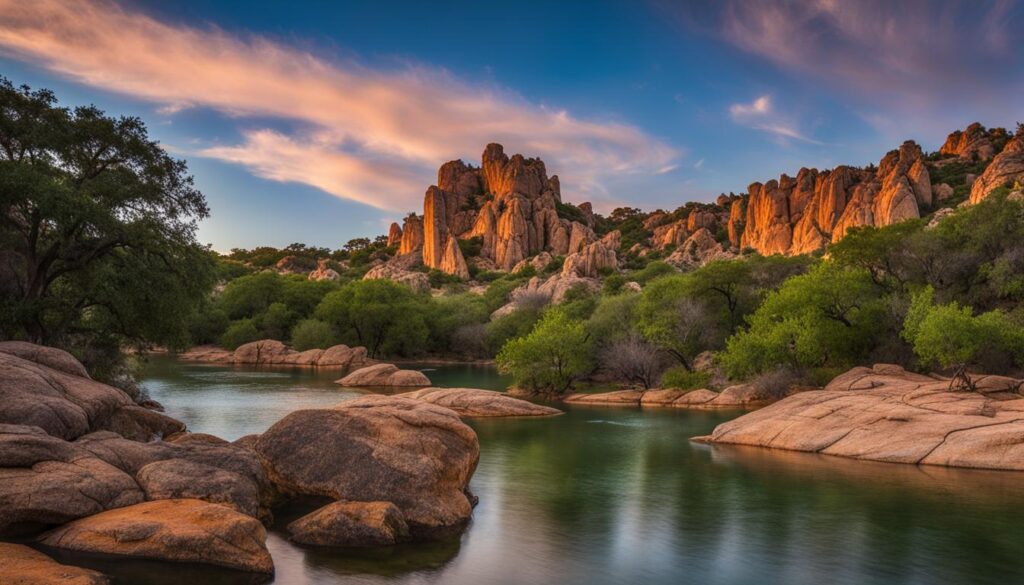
point(417, 281)
point(51, 357)
point(270, 352)
point(1005, 168)
point(21, 565)
point(45, 481)
point(190, 531)
point(384, 375)
point(183, 479)
point(476, 403)
point(416, 455)
point(324, 271)
point(699, 249)
point(742, 396)
point(942, 191)
point(351, 524)
point(556, 286)
point(887, 414)
point(67, 404)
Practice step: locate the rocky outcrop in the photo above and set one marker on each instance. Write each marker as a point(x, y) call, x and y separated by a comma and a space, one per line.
point(351, 524)
point(476, 403)
point(417, 281)
point(510, 203)
point(394, 235)
point(271, 352)
point(699, 249)
point(384, 375)
point(740, 396)
point(538, 262)
point(670, 234)
point(555, 287)
point(21, 565)
point(412, 235)
point(1006, 168)
point(972, 143)
point(803, 214)
point(887, 414)
point(376, 448)
point(188, 531)
point(45, 480)
point(324, 271)
point(594, 258)
point(54, 394)
point(292, 265)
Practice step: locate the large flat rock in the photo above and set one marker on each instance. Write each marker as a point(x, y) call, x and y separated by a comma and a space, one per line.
point(477, 403)
point(384, 375)
point(21, 565)
point(740, 396)
point(887, 414)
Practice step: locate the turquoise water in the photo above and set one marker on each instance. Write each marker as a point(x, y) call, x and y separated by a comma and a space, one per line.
point(621, 496)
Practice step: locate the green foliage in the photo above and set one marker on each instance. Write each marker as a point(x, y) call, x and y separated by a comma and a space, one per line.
point(276, 321)
point(613, 319)
point(553, 356)
point(682, 379)
point(614, 284)
point(830, 316)
point(379, 314)
point(651, 271)
point(449, 314)
point(438, 279)
point(206, 325)
point(514, 325)
point(955, 174)
point(499, 291)
point(98, 228)
point(630, 223)
point(579, 302)
point(570, 212)
point(951, 335)
point(312, 334)
point(555, 265)
point(240, 332)
point(470, 247)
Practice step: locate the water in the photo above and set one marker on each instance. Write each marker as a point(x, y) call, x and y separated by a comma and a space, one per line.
point(620, 496)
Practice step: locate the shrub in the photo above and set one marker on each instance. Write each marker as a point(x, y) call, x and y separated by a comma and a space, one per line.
point(384, 316)
point(633, 360)
point(470, 247)
point(514, 325)
point(548, 360)
point(653, 270)
point(312, 334)
point(240, 332)
point(682, 379)
point(613, 284)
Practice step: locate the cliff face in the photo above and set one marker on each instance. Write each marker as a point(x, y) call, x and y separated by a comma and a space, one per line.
point(973, 142)
point(803, 214)
point(1007, 167)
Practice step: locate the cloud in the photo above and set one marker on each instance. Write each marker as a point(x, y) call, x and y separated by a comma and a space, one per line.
point(918, 61)
point(760, 114)
point(382, 133)
point(699, 164)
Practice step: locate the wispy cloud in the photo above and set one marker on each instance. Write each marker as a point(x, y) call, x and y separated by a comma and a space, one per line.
point(760, 114)
point(919, 63)
point(368, 135)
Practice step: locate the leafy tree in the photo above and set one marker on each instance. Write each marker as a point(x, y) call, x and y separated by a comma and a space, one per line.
point(830, 316)
point(514, 325)
point(239, 333)
point(97, 229)
point(249, 295)
point(276, 321)
point(553, 356)
point(384, 316)
point(312, 334)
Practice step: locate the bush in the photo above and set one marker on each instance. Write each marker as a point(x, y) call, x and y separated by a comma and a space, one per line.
point(312, 334)
point(653, 270)
point(239, 333)
point(516, 324)
point(613, 284)
point(383, 316)
point(470, 247)
point(548, 360)
point(682, 379)
point(633, 360)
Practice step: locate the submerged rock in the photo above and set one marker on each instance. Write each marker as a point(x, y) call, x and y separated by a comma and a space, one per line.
point(384, 375)
point(351, 524)
point(885, 413)
point(21, 565)
point(415, 455)
point(476, 403)
point(191, 531)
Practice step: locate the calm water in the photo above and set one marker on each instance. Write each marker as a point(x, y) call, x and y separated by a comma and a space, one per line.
point(620, 496)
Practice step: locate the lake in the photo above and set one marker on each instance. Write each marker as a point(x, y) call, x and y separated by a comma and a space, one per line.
point(621, 496)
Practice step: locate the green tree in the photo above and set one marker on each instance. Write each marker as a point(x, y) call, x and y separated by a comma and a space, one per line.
point(830, 316)
point(384, 316)
point(97, 229)
point(553, 356)
point(239, 333)
point(312, 334)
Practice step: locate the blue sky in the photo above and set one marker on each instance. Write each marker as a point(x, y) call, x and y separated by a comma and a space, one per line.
point(322, 121)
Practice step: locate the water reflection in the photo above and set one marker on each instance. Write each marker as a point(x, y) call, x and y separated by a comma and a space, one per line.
point(621, 496)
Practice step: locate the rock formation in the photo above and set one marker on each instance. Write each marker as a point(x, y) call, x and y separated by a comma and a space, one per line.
point(885, 413)
point(384, 375)
point(351, 524)
point(189, 531)
point(394, 235)
point(271, 352)
point(1007, 167)
point(973, 142)
point(803, 214)
point(376, 448)
point(698, 249)
point(324, 271)
point(476, 403)
point(594, 258)
point(21, 565)
point(412, 235)
point(415, 280)
point(739, 396)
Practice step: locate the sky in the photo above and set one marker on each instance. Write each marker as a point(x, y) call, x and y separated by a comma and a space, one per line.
point(322, 121)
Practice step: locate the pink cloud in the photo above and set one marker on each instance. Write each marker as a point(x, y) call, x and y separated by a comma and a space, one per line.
point(370, 135)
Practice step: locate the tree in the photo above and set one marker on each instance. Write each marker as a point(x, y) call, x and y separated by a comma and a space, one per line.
point(553, 356)
point(382, 315)
point(97, 229)
point(312, 334)
point(632, 359)
point(830, 316)
point(952, 336)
